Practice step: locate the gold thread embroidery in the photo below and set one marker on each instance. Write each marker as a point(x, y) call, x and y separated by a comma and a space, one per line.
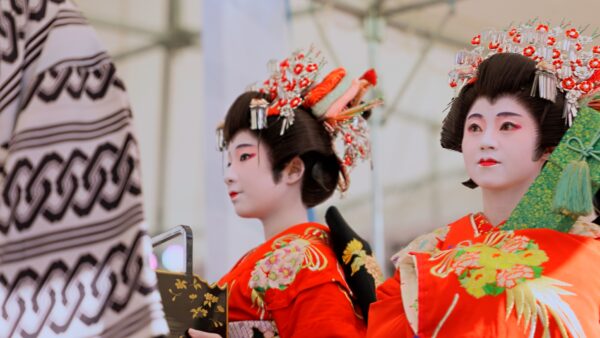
point(355, 253)
point(511, 264)
point(446, 315)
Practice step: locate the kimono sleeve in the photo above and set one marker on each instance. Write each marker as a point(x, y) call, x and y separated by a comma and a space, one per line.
point(386, 316)
point(318, 302)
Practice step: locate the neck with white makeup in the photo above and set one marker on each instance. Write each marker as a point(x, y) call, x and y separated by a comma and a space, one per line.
point(289, 211)
point(498, 204)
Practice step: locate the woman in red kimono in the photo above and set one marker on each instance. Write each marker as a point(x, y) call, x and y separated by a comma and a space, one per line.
point(281, 161)
point(477, 277)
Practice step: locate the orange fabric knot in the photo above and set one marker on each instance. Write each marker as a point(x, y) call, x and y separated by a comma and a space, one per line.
point(325, 87)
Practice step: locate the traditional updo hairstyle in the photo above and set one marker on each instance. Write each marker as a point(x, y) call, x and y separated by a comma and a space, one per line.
point(306, 138)
point(501, 75)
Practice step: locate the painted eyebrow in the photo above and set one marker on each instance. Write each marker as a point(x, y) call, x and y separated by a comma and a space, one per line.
point(244, 145)
point(508, 114)
point(240, 146)
point(501, 114)
point(475, 115)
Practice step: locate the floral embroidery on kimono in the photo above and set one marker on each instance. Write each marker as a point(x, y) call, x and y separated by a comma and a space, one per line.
point(278, 268)
point(511, 264)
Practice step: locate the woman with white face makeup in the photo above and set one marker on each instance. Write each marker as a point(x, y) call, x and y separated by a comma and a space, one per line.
point(278, 166)
point(479, 276)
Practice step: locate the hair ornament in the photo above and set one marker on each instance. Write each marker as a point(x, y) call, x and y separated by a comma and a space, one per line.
point(545, 82)
point(289, 81)
point(563, 62)
point(337, 101)
point(258, 114)
point(221, 146)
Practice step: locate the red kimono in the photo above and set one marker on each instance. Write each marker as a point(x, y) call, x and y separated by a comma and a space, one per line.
point(471, 280)
point(291, 285)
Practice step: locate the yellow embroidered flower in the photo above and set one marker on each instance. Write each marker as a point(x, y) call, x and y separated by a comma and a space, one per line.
point(494, 258)
point(532, 257)
point(357, 263)
point(477, 279)
point(352, 248)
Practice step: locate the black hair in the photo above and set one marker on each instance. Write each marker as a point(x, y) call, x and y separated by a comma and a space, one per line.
point(305, 138)
point(506, 74)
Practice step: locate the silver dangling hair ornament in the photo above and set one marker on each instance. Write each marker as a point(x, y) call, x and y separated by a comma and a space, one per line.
point(545, 83)
point(258, 114)
point(220, 137)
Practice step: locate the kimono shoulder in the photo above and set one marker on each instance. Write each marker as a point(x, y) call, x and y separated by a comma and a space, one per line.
point(296, 261)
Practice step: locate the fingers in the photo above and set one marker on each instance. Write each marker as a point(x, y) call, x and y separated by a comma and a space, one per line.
point(201, 334)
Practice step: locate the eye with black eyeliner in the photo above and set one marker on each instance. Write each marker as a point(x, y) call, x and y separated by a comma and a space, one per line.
point(245, 157)
point(509, 126)
point(473, 127)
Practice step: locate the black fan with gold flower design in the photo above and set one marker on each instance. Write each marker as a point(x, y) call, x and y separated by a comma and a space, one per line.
point(188, 300)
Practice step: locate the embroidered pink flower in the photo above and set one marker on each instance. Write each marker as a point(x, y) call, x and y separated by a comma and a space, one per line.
point(273, 281)
point(272, 261)
point(516, 243)
point(285, 275)
point(258, 279)
point(279, 268)
point(509, 278)
point(466, 261)
point(294, 259)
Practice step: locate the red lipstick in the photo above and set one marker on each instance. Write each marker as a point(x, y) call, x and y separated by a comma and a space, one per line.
point(233, 194)
point(487, 162)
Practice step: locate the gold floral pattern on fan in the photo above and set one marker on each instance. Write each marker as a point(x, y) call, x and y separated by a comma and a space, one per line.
point(191, 302)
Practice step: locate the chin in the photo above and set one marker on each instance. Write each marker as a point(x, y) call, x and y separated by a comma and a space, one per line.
point(244, 213)
point(489, 184)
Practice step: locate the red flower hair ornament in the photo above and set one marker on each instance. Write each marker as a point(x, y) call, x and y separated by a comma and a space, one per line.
point(562, 61)
point(337, 101)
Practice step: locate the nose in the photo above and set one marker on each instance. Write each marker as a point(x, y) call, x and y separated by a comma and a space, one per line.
point(229, 175)
point(488, 139)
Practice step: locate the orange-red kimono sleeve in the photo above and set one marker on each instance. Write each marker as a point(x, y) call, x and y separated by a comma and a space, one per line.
point(317, 303)
point(386, 315)
point(321, 311)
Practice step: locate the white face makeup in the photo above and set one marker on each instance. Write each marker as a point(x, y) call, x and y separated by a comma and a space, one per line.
point(499, 144)
point(249, 177)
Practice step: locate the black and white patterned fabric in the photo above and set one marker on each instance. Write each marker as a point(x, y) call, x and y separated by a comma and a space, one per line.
point(73, 243)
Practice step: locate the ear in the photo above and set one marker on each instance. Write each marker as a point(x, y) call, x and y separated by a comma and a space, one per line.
point(293, 171)
point(546, 155)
